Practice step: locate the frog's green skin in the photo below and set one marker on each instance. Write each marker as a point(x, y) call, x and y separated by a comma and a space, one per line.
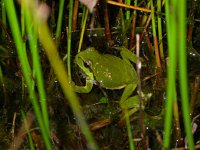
point(111, 72)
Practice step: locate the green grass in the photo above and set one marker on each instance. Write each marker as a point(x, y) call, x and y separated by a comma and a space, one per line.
point(59, 22)
point(26, 69)
point(176, 35)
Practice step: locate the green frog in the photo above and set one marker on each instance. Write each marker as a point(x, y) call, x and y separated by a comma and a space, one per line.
point(110, 72)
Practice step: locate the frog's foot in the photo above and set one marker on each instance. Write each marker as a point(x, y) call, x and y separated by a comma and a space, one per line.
point(129, 107)
point(134, 102)
point(128, 55)
point(132, 105)
point(131, 102)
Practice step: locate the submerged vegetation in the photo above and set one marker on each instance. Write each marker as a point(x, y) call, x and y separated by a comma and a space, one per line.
point(101, 74)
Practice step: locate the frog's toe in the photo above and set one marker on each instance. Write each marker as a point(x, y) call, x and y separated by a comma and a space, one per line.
point(132, 102)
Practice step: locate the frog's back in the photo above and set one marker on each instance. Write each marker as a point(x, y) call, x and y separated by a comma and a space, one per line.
point(113, 72)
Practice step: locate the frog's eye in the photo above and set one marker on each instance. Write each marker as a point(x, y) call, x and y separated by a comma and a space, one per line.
point(88, 63)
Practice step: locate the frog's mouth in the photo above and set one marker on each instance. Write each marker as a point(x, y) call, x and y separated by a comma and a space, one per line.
point(82, 74)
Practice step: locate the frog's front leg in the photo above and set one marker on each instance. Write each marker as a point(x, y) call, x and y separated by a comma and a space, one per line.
point(84, 89)
point(127, 102)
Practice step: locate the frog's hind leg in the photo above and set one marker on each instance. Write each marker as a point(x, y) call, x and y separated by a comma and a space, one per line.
point(126, 101)
point(129, 103)
point(127, 55)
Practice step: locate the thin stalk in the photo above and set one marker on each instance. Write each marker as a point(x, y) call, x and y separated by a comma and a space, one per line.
point(37, 66)
point(177, 122)
point(145, 17)
point(69, 39)
point(23, 23)
point(122, 18)
point(24, 48)
point(133, 31)
point(2, 83)
point(191, 21)
point(5, 33)
point(155, 37)
point(59, 22)
point(133, 25)
point(106, 22)
point(13, 131)
point(83, 31)
point(128, 126)
point(160, 30)
point(74, 22)
point(145, 30)
point(83, 15)
point(128, 6)
point(171, 73)
point(150, 47)
point(128, 12)
point(23, 90)
point(23, 43)
point(3, 11)
point(139, 89)
point(183, 72)
point(12, 18)
point(194, 94)
point(52, 18)
point(28, 131)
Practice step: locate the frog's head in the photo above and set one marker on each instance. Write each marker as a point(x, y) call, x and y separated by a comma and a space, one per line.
point(86, 59)
point(89, 55)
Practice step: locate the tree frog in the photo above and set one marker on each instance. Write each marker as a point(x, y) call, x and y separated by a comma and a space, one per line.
point(110, 72)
